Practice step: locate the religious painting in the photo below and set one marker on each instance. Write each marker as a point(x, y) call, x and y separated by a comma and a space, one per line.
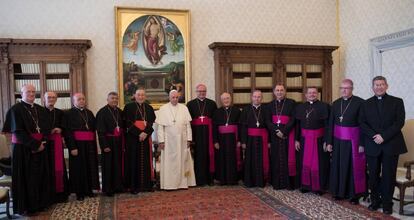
point(153, 47)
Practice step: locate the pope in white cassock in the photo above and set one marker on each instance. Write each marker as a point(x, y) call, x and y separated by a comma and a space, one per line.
point(174, 137)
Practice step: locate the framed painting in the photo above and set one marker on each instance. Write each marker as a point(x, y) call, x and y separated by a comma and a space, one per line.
point(153, 52)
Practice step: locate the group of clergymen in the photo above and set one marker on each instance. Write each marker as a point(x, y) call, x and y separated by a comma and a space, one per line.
point(310, 146)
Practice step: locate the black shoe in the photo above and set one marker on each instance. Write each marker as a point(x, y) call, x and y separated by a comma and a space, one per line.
point(134, 192)
point(91, 195)
point(337, 198)
point(109, 194)
point(387, 211)
point(319, 193)
point(374, 206)
point(304, 190)
point(80, 198)
point(354, 201)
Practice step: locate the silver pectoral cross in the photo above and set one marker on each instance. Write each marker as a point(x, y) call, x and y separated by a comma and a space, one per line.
point(257, 124)
point(202, 118)
point(87, 127)
point(341, 118)
point(38, 129)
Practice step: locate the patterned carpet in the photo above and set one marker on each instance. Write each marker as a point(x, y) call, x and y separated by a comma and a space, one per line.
point(217, 202)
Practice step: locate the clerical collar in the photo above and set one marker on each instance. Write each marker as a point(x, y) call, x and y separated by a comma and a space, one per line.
point(31, 104)
point(201, 100)
point(81, 109)
point(256, 107)
point(227, 107)
point(346, 98)
point(50, 109)
point(311, 102)
point(280, 100)
point(381, 96)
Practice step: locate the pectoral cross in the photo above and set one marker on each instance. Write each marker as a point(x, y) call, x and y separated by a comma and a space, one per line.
point(37, 129)
point(174, 121)
point(227, 124)
point(202, 118)
point(117, 128)
point(257, 124)
point(87, 127)
point(278, 122)
point(341, 118)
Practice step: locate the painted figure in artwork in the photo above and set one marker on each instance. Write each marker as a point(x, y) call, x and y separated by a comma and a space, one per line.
point(154, 40)
point(132, 44)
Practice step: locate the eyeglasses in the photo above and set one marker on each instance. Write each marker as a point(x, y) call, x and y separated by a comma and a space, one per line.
point(345, 87)
point(201, 91)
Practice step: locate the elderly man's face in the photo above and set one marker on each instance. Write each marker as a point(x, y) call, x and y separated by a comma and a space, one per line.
point(226, 99)
point(201, 92)
point(112, 100)
point(29, 93)
point(50, 99)
point(79, 101)
point(257, 98)
point(140, 96)
point(174, 98)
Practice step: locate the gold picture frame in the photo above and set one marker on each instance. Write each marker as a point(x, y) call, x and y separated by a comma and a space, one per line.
point(153, 51)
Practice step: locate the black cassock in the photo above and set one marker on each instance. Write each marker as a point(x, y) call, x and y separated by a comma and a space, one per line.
point(200, 110)
point(59, 174)
point(228, 157)
point(280, 116)
point(30, 170)
point(256, 154)
point(139, 170)
point(83, 168)
point(341, 182)
point(109, 126)
point(317, 121)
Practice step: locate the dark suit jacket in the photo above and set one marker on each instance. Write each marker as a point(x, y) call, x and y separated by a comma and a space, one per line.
point(388, 124)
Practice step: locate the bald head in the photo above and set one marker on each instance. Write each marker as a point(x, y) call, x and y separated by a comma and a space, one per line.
point(79, 100)
point(50, 99)
point(201, 91)
point(173, 96)
point(225, 99)
point(28, 93)
point(140, 95)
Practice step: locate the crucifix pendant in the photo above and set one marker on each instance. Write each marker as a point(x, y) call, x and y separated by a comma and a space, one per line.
point(227, 124)
point(145, 123)
point(341, 118)
point(174, 121)
point(117, 128)
point(202, 118)
point(257, 124)
point(37, 129)
point(307, 115)
point(87, 127)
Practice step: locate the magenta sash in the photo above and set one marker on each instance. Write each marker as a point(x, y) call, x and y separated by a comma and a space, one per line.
point(358, 159)
point(262, 132)
point(118, 133)
point(291, 144)
point(37, 136)
point(84, 135)
point(57, 139)
point(228, 130)
point(310, 167)
point(207, 121)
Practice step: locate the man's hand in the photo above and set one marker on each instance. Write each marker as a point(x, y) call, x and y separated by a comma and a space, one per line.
point(329, 148)
point(107, 149)
point(243, 146)
point(56, 131)
point(361, 149)
point(74, 152)
point(161, 146)
point(297, 145)
point(378, 139)
point(142, 136)
point(41, 147)
point(217, 146)
point(268, 145)
point(238, 144)
point(279, 133)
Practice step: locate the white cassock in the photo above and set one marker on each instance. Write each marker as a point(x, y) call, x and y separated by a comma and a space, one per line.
point(174, 129)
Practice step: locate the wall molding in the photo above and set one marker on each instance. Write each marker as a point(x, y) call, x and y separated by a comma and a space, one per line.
point(384, 43)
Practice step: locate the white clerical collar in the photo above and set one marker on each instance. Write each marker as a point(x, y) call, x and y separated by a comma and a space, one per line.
point(279, 100)
point(256, 107)
point(311, 102)
point(227, 107)
point(346, 98)
point(201, 99)
point(379, 97)
point(79, 108)
point(50, 109)
point(31, 104)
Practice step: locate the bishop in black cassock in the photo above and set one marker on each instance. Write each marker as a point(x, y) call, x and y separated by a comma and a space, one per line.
point(30, 126)
point(202, 110)
point(255, 142)
point(139, 170)
point(280, 121)
point(227, 140)
point(348, 164)
point(59, 176)
point(312, 118)
point(80, 127)
point(109, 125)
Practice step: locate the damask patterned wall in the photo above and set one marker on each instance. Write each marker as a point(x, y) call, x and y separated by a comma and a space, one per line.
point(361, 21)
point(261, 21)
